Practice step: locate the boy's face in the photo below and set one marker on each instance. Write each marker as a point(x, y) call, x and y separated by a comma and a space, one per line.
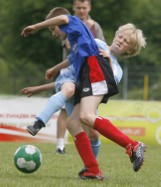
point(56, 32)
point(121, 44)
point(81, 9)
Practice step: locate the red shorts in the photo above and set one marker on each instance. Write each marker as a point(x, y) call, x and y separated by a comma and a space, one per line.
point(96, 78)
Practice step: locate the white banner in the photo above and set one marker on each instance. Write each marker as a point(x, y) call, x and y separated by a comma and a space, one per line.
point(16, 113)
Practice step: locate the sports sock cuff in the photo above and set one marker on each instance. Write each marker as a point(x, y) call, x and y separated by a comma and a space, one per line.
point(39, 119)
point(96, 123)
point(61, 96)
point(79, 135)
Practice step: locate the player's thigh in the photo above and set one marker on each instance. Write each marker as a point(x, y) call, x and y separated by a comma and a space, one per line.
point(90, 104)
point(88, 109)
point(74, 125)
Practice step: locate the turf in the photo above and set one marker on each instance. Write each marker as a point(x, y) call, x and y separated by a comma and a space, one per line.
point(61, 170)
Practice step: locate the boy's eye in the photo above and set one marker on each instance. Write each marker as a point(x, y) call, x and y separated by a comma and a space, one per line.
point(120, 36)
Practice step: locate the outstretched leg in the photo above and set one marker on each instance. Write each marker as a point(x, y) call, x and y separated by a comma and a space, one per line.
point(106, 128)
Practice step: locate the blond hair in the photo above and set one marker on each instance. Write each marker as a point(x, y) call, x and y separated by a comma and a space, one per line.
point(57, 12)
point(136, 39)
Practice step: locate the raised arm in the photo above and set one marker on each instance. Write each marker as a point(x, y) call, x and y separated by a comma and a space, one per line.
point(56, 21)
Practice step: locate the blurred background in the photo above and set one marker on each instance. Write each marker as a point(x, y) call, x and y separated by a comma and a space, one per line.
point(23, 61)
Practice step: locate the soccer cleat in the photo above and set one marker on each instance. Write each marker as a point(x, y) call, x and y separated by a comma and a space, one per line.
point(35, 128)
point(88, 175)
point(137, 157)
point(81, 171)
point(60, 151)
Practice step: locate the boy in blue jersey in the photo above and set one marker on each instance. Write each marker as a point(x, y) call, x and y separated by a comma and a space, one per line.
point(64, 85)
point(60, 94)
point(96, 85)
point(65, 88)
point(67, 76)
point(81, 9)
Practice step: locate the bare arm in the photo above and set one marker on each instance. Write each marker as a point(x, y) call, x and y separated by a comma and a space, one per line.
point(37, 89)
point(56, 21)
point(51, 72)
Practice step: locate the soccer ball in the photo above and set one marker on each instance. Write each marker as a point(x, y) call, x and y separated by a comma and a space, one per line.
point(27, 158)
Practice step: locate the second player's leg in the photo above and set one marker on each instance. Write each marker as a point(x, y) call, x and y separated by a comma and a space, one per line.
point(61, 130)
point(83, 146)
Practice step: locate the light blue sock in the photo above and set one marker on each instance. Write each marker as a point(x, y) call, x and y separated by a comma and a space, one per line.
point(54, 104)
point(95, 145)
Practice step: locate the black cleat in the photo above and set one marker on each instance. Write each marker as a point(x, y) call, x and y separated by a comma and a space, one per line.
point(35, 128)
point(137, 157)
point(81, 171)
point(60, 151)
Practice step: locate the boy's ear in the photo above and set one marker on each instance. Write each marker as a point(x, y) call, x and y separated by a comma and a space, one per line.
point(129, 51)
point(73, 8)
point(90, 7)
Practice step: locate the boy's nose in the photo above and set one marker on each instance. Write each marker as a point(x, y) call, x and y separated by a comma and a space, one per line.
point(120, 40)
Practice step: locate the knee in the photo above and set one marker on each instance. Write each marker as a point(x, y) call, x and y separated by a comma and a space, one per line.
point(85, 118)
point(69, 92)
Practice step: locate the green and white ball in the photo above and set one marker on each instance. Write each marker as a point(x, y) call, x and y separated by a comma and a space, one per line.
point(27, 158)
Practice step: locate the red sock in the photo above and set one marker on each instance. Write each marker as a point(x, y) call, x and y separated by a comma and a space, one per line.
point(84, 149)
point(107, 129)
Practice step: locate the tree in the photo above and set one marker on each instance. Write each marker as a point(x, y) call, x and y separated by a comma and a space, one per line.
point(41, 51)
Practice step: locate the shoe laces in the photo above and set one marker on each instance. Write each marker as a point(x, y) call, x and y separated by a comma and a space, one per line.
point(138, 150)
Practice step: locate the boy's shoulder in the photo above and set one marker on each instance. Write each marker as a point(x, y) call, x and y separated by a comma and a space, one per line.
point(74, 23)
point(73, 17)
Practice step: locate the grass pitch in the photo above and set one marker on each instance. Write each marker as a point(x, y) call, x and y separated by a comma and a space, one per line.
point(61, 170)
